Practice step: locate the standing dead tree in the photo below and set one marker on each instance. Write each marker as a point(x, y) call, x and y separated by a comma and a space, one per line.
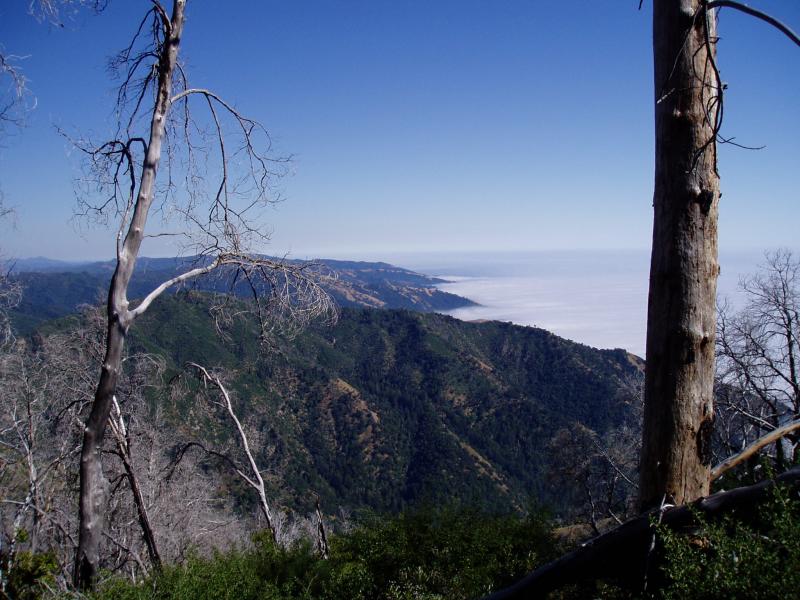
point(678, 416)
point(150, 518)
point(217, 220)
point(679, 375)
point(44, 394)
point(676, 456)
point(10, 295)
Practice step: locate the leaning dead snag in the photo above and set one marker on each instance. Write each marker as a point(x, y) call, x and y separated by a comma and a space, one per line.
point(252, 476)
point(123, 450)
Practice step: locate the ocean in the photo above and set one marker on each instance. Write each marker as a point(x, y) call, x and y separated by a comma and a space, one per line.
point(598, 298)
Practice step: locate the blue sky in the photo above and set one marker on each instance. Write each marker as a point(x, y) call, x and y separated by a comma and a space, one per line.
point(423, 126)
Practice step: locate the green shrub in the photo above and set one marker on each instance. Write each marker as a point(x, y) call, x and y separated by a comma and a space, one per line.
point(453, 553)
point(29, 575)
point(426, 555)
point(735, 558)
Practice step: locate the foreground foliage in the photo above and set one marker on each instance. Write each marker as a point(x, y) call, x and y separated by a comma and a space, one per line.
point(462, 553)
point(754, 556)
point(422, 555)
point(749, 554)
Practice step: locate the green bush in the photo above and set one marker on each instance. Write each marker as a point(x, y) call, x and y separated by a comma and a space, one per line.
point(29, 575)
point(754, 557)
point(456, 553)
point(427, 555)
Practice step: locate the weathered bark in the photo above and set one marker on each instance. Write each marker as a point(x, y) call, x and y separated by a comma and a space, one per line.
point(322, 538)
point(622, 553)
point(92, 481)
point(678, 412)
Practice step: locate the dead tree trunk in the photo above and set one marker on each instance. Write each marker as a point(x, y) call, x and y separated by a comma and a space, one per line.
point(322, 538)
point(92, 482)
point(120, 432)
point(678, 411)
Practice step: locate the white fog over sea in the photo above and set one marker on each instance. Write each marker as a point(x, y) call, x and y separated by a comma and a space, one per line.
point(598, 298)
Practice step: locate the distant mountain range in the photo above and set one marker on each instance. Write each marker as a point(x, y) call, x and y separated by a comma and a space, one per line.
point(55, 288)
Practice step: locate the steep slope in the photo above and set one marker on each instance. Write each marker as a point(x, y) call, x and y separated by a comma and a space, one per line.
point(395, 408)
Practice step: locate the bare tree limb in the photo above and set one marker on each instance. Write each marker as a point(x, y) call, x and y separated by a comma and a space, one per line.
point(753, 449)
point(782, 27)
point(148, 300)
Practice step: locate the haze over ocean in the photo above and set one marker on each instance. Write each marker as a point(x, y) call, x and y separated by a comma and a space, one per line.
point(598, 298)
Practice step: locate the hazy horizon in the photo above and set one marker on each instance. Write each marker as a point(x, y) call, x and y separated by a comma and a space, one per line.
point(487, 141)
point(594, 297)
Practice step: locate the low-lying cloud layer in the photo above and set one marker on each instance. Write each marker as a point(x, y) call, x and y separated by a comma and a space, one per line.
point(596, 298)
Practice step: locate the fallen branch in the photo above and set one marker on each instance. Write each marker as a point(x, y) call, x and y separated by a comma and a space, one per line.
point(621, 553)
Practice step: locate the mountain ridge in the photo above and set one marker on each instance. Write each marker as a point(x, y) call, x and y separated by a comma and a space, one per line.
point(54, 289)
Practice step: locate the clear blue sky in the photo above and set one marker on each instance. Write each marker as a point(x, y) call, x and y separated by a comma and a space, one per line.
point(424, 125)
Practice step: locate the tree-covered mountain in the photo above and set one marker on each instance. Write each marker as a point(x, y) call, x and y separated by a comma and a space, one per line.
point(393, 408)
point(54, 289)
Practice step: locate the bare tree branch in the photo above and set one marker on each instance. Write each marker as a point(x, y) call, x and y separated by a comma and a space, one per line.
point(144, 304)
point(13, 106)
point(758, 377)
point(782, 27)
point(753, 449)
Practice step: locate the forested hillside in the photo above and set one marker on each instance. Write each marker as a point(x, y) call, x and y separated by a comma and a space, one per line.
point(393, 408)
